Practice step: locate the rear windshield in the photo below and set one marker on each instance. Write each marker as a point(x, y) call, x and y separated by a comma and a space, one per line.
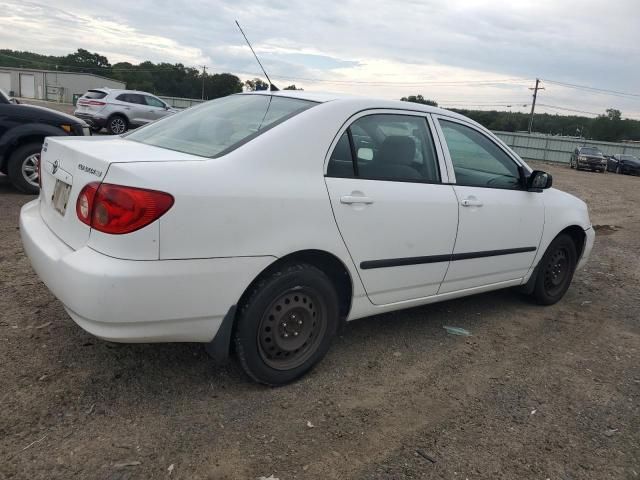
point(590, 151)
point(217, 127)
point(95, 94)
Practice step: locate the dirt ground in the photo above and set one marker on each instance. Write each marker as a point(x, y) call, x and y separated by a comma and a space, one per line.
point(535, 393)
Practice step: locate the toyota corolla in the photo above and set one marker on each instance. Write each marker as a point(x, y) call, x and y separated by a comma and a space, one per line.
point(265, 220)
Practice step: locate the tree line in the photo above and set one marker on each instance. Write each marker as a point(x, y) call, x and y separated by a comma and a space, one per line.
point(169, 79)
point(178, 80)
point(608, 127)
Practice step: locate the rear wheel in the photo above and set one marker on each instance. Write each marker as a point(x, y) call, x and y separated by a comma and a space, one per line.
point(556, 270)
point(286, 324)
point(23, 167)
point(117, 125)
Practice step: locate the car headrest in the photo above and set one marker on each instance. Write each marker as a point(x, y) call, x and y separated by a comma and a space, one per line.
point(396, 149)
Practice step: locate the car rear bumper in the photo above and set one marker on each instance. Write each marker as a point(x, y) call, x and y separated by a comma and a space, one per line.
point(137, 301)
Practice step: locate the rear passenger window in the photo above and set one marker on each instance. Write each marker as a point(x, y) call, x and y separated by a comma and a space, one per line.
point(387, 147)
point(341, 161)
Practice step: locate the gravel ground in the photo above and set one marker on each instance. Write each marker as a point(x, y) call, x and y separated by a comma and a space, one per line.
point(535, 393)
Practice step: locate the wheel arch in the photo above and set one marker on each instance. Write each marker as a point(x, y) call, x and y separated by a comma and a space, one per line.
point(220, 346)
point(577, 235)
point(22, 135)
point(327, 262)
point(118, 114)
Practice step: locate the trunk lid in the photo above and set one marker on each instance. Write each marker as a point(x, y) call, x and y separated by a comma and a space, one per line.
point(70, 163)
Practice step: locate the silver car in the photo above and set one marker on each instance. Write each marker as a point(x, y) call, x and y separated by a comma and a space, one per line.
point(120, 110)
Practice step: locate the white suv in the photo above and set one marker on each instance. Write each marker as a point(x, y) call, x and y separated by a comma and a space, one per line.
point(119, 110)
point(268, 219)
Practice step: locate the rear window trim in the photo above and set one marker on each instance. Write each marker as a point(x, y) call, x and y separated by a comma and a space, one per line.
point(245, 140)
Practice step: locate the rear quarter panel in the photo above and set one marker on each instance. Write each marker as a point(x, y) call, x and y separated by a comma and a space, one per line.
point(266, 198)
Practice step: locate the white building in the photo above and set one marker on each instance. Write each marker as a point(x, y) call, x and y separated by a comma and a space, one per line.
point(52, 85)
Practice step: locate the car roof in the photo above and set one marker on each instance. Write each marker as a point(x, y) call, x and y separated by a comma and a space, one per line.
point(371, 102)
point(108, 90)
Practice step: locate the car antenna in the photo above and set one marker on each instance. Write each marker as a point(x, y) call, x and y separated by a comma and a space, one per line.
point(272, 87)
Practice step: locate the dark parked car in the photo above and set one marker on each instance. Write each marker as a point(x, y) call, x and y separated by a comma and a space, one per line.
point(23, 129)
point(624, 164)
point(589, 158)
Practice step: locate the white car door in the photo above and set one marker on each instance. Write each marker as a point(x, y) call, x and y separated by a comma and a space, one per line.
point(500, 222)
point(397, 215)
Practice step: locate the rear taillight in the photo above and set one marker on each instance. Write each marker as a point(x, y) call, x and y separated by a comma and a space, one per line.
point(117, 209)
point(91, 102)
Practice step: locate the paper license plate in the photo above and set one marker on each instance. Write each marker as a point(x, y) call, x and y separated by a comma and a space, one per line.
point(61, 196)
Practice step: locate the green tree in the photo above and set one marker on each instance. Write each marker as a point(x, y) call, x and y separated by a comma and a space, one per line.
point(419, 99)
point(614, 114)
point(292, 87)
point(256, 84)
point(85, 59)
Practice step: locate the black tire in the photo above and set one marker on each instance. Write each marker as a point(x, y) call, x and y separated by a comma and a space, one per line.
point(276, 324)
point(555, 271)
point(20, 168)
point(96, 129)
point(117, 125)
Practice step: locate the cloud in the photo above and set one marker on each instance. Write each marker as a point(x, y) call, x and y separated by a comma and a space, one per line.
point(385, 49)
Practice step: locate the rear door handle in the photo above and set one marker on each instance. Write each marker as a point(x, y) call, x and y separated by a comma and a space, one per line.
point(471, 202)
point(351, 199)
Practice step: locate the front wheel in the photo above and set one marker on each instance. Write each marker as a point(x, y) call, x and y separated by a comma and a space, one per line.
point(555, 270)
point(286, 324)
point(23, 167)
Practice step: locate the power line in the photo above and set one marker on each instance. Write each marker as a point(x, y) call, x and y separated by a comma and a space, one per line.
point(594, 89)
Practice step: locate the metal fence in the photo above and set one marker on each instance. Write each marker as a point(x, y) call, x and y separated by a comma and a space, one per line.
point(559, 149)
point(179, 102)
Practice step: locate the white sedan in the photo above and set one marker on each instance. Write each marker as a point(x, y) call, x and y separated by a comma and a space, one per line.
point(267, 219)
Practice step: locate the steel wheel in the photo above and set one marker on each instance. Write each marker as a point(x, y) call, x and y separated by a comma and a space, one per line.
point(30, 169)
point(556, 271)
point(286, 322)
point(291, 329)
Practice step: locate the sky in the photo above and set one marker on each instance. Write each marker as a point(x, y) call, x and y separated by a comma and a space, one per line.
point(461, 53)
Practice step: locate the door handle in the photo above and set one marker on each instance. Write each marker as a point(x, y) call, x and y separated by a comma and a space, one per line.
point(351, 199)
point(471, 202)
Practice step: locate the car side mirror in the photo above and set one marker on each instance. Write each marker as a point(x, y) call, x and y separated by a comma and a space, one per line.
point(538, 181)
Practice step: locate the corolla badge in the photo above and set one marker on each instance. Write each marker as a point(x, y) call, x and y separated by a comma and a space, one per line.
point(56, 164)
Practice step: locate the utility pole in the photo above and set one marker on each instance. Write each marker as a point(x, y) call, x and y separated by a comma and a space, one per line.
point(533, 105)
point(204, 71)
